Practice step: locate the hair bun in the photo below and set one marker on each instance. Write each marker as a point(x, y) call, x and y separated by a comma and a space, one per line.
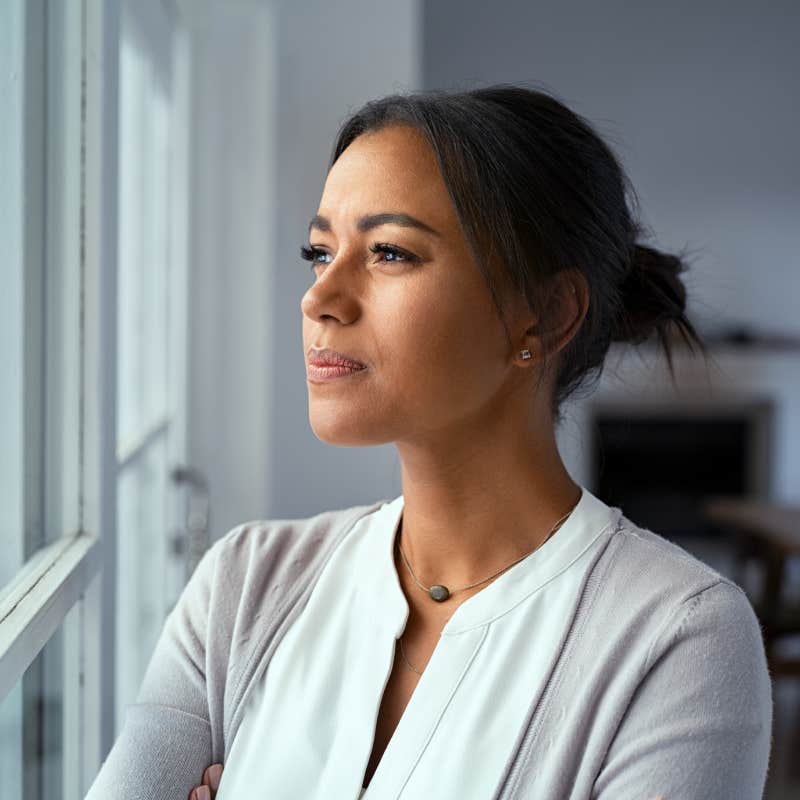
point(652, 295)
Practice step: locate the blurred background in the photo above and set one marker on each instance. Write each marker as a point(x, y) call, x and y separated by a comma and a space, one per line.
point(160, 162)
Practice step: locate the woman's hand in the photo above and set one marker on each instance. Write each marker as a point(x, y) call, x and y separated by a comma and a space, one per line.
point(207, 790)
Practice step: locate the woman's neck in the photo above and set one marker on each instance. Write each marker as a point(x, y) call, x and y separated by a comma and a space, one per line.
point(477, 518)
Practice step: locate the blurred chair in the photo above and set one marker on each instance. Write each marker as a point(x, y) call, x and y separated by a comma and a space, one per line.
point(769, 534)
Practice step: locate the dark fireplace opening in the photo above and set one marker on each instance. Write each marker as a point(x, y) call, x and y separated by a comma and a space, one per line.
point(659, 463)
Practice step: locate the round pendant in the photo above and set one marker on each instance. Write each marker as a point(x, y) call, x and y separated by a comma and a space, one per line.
point(439, 593)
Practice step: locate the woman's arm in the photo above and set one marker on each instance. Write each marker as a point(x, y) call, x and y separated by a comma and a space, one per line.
point(166, 741)
point(699, 725)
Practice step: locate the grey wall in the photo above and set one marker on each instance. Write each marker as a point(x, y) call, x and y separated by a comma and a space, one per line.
point(233, 221)
point(699, 99)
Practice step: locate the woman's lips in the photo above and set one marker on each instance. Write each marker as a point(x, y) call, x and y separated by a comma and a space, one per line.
point(324, 357)
point(326, 364)
point(321, 373)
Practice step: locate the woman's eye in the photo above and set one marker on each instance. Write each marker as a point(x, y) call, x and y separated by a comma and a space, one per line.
point(311, 253)
point(395, 252)
point(390, 252)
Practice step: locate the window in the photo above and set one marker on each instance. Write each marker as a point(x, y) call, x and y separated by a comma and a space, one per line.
point(50, 536)
point(92, 408)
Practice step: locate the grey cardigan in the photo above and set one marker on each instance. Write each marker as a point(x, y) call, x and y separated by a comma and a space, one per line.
point(660, 685)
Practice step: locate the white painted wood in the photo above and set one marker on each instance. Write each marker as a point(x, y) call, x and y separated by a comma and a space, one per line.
point(96, 631)
point(77, 506)
point(12, 132)
point(63, 264)
point(36, 604)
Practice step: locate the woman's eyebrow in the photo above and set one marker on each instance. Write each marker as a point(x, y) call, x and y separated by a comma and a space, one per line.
point(370, 221)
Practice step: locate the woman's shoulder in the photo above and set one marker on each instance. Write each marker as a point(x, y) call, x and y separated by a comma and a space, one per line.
point(665, 665)
point(646, 558)
point(650, 604)
point(260, 545)
point(261, 565)
point(646, 585)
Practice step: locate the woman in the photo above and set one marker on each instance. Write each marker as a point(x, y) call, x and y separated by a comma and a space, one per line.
point(473, 258)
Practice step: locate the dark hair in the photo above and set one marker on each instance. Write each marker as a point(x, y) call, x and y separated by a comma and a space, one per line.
point(537, 191)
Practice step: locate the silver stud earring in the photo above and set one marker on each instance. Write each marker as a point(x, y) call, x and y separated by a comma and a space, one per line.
point(525, 353)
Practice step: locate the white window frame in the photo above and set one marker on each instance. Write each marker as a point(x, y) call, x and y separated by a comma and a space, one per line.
point(78, 567)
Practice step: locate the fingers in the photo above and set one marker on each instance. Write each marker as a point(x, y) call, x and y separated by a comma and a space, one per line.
point(211, 778)
point(208, 789)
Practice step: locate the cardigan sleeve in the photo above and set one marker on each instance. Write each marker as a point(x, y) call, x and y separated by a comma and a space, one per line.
point(166, 740)
point(699, 723)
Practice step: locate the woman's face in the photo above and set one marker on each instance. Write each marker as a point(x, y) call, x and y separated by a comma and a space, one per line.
point(438, 362)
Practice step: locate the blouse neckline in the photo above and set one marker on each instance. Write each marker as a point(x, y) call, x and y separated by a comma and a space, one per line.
point(590, 519)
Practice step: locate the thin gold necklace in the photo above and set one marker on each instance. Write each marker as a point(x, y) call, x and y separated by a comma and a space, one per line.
point(440, 593)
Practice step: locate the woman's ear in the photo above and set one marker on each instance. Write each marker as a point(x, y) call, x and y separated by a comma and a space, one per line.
point(568, 303)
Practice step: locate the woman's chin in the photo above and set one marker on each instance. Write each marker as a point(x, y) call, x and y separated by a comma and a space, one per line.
point(344, 430)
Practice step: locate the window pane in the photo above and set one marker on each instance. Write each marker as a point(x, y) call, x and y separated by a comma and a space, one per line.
point(37, 728)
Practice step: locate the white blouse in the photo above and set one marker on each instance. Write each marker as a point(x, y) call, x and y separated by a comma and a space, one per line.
point(322, 689)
